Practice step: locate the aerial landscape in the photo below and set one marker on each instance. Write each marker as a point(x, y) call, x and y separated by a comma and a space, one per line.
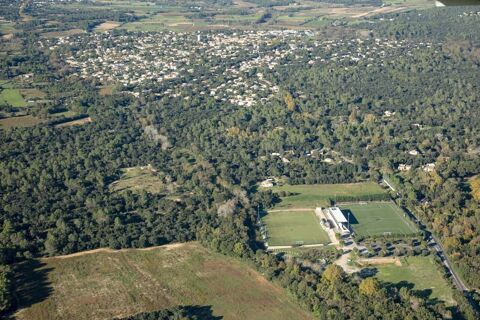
point(239, 159)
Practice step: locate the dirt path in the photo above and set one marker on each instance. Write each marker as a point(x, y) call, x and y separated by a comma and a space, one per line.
point(343, 262)
point(108, 250)
point(380, 261)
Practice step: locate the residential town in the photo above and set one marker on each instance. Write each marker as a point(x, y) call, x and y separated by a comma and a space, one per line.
point(232, 67)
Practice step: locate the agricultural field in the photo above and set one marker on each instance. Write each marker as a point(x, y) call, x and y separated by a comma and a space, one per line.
point(139, 179)
point(19, 122)
point(378, 218)
point(286, 228)
point(319, 195)
point(11, 96)
point(419, 273)
point(105, 283)
point(183, 16)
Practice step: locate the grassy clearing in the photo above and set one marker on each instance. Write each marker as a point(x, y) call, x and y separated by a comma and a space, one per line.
point(77, 122)
point(109, 25)
point(32, 94)
point(139, 179)
point(9, 96)
point(19, 122)
point(377, 218)
point(287, 227)
point(421, 274)
point(103, 285)
point(311, 196)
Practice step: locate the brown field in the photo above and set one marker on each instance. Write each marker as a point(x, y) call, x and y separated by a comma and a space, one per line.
point(106, 90)
point(78, 122)
point(140, 179)
point(106, 284)
point(19, 122)
point(109, 25)
point(379, 261)
point(32, 94)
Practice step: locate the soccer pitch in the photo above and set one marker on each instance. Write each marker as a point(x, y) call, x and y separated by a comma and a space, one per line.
point(378, 218)
point(319, 195)
point(286, 228)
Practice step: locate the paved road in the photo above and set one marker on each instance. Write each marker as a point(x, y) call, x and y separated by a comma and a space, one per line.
point(438, 248)
point(456, 279)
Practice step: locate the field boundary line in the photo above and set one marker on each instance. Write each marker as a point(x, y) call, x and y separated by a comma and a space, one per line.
point(110, 250)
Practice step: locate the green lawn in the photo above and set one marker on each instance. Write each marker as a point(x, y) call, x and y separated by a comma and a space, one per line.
point(315, 195)
point(377, 218)
point(287, 227)
point(422, 273)
point(11, 97)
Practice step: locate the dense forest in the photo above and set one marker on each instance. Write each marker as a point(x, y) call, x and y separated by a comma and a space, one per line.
point(55, 183)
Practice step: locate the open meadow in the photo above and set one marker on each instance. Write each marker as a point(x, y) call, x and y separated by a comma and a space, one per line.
point(419, 274)
point(106, 284)
point(10, 96)
point(378, 218)
point(139, 179)
point(286, 228)
point(19, 122)
point(319, 195)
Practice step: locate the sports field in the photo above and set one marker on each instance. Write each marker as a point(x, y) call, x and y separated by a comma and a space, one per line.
point(285, 228)
point(378, 218)
point(319, 195)
point(419, 272)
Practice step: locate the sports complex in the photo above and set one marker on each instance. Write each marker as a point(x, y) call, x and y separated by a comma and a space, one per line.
point(300, 219)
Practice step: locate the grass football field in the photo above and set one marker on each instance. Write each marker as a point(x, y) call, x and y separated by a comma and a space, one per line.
point(378, 218)
point(419, 273)
point(285, 228)
point(315, 195)
point(109, 284)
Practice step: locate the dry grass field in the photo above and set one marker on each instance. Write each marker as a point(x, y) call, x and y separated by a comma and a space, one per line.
point(77, 122)
point(138, 179)
point(109, 25)
point(19, 122)
point(106, 284)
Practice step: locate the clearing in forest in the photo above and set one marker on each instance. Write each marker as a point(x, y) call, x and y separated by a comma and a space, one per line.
point(10, 96)
point(378, 218)
point(109, 25)
point(105, 284)
point(19, 122)
point(77, 122)
point(420, 274)
point(138, 179)
point(287, 228)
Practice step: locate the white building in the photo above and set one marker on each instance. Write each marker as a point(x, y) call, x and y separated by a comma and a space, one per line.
point(339, 221)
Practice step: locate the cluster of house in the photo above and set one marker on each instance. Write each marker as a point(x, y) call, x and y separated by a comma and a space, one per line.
point(429, 167)
point(232, 67)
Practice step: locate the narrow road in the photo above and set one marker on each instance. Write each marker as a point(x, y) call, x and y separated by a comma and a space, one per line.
point(456, 279)
point(434, 243)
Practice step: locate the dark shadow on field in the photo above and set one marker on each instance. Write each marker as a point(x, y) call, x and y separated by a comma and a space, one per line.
point(201, 312)
point(180, 312)
point(351, 218)
point(425, 294)
point(368, 272)
point(31, 283)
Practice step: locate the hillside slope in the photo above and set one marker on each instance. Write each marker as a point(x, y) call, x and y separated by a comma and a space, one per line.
point(106, 284)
